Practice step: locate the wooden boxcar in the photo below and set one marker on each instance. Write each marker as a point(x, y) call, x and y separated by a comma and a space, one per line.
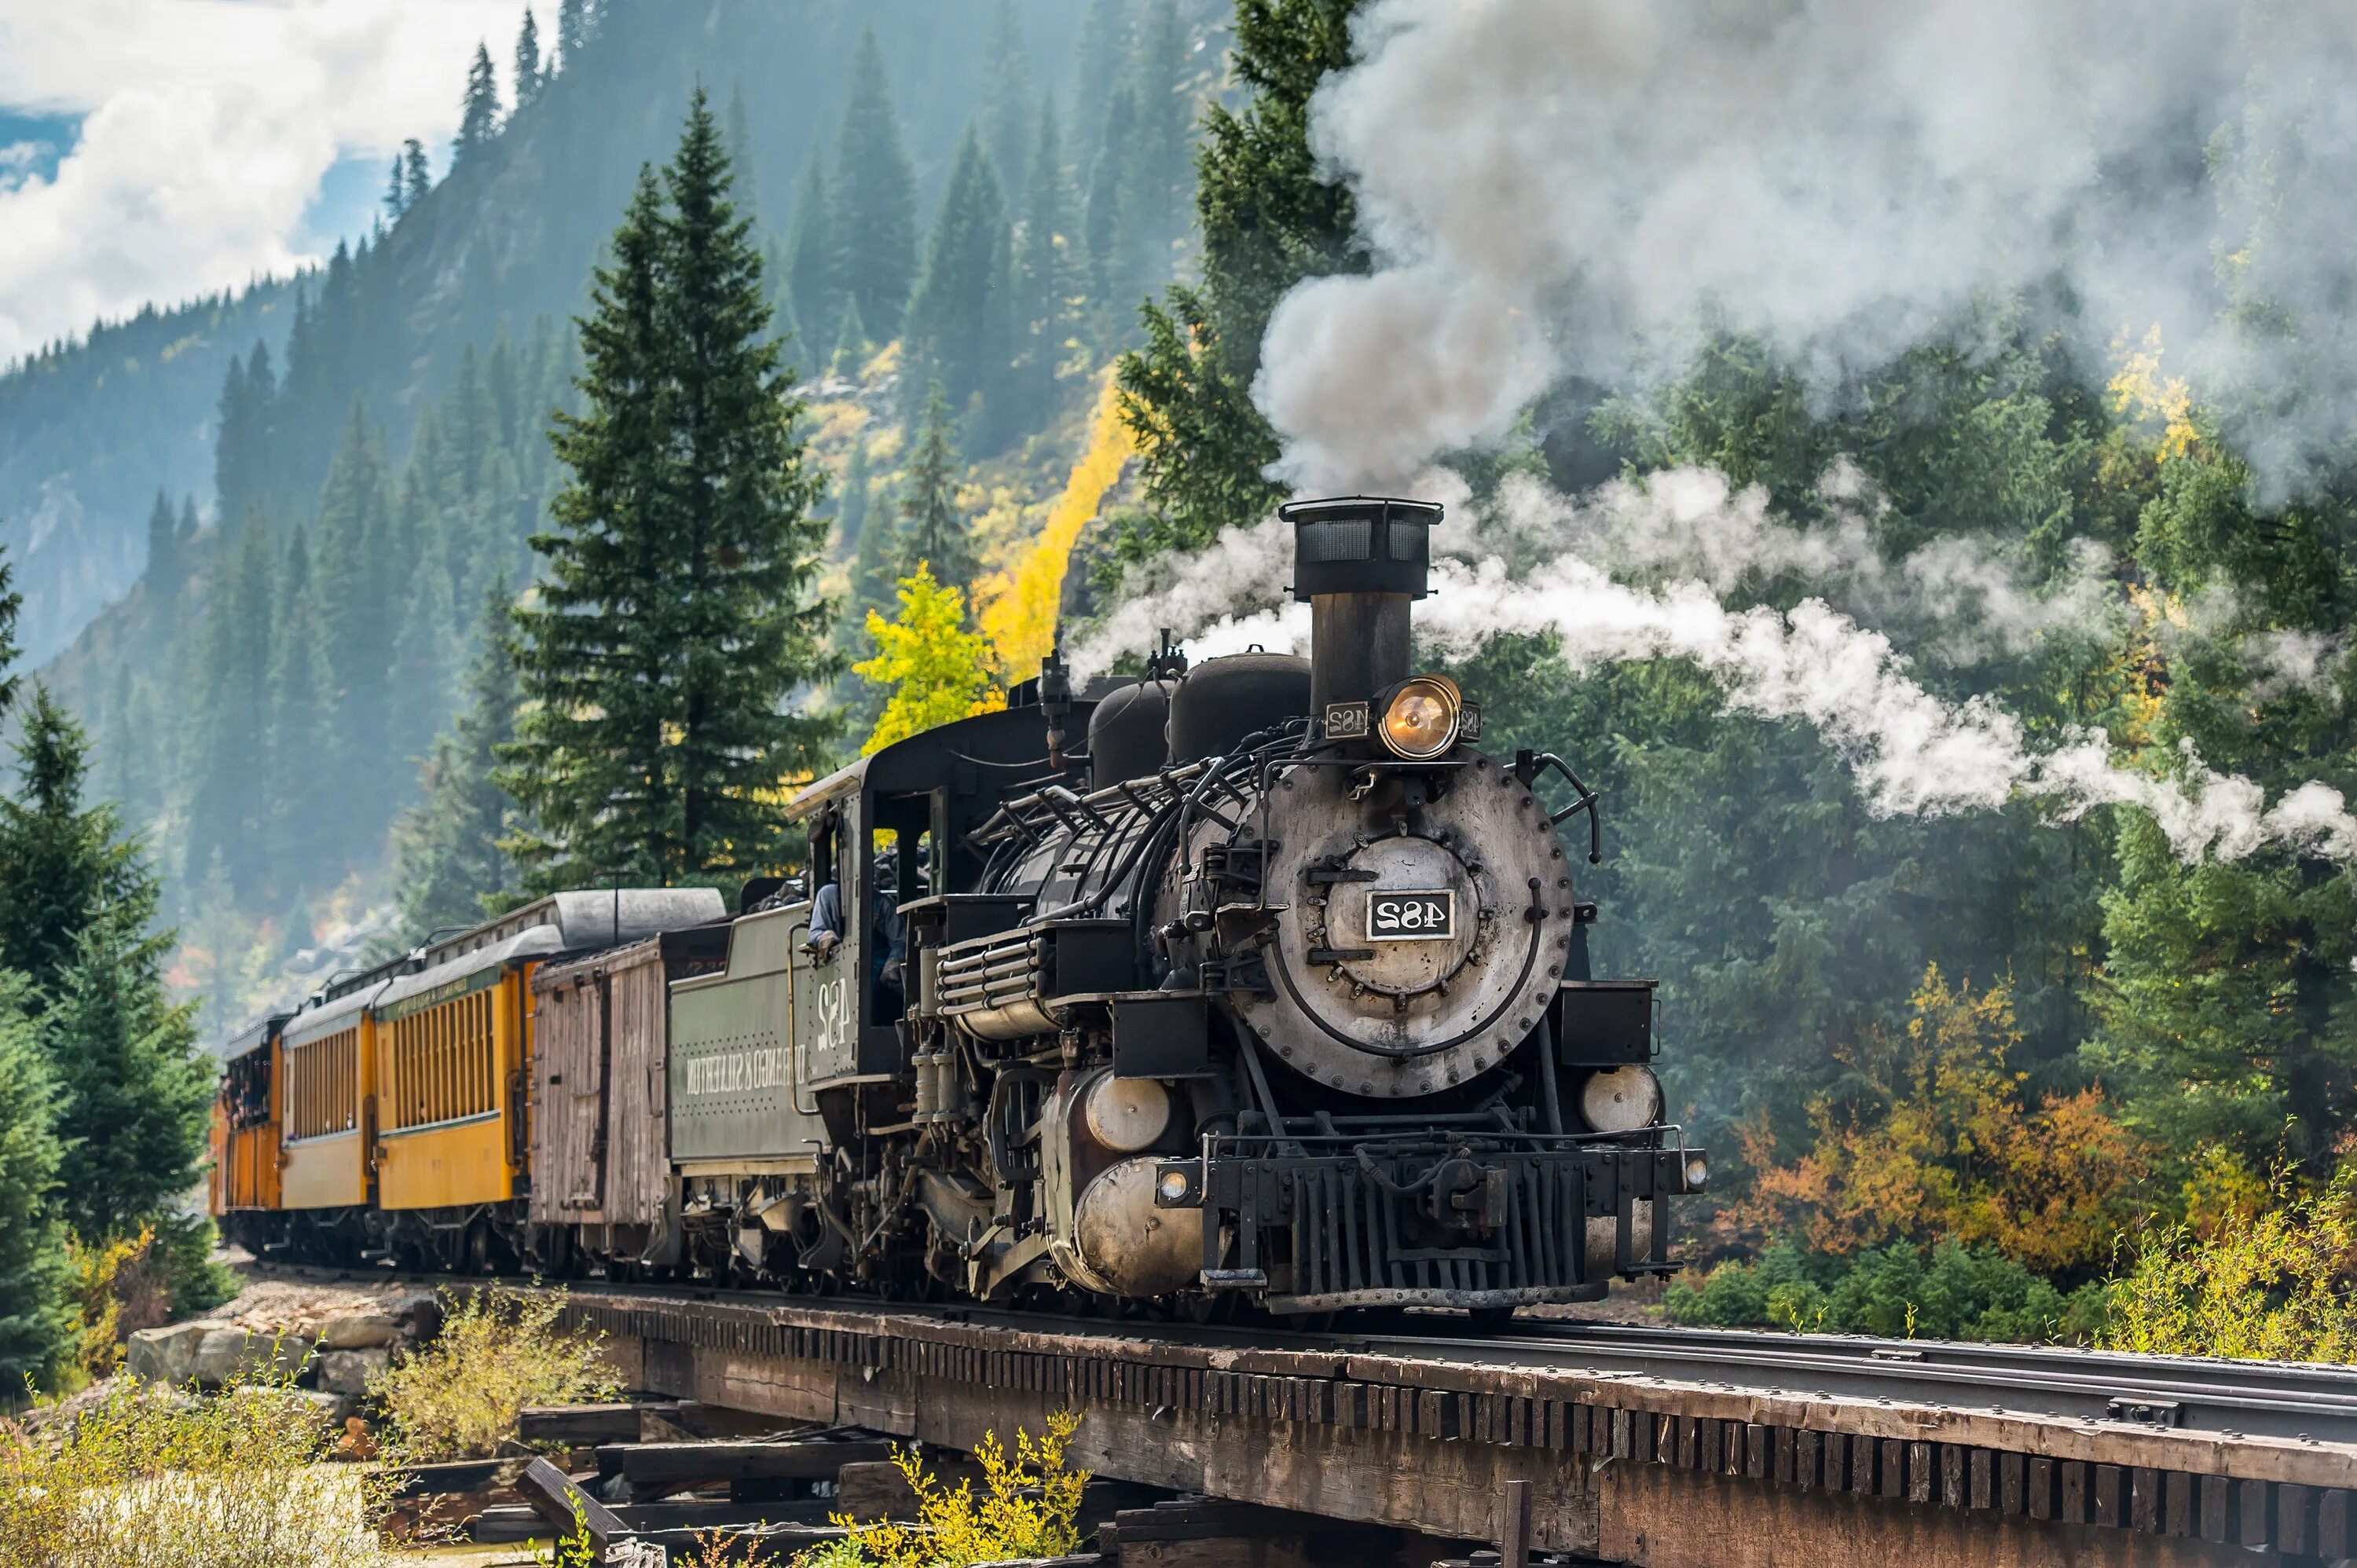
point(600, 1157)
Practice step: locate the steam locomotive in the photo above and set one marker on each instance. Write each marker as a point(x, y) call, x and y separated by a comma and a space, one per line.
point(1275, 995)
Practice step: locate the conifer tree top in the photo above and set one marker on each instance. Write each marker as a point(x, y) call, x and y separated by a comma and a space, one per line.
point(676, 612)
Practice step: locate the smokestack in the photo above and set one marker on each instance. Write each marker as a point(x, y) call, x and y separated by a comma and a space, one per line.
point(1358, 561)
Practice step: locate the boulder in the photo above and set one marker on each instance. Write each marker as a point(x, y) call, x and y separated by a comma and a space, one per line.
point(167, 1355)
point(360, 1331)
point(420, 1317)
point(348, 1371)
point(336, 1407)
point(229, 1355)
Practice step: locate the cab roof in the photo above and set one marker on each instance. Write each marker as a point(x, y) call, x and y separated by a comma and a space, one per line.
point(996, 750)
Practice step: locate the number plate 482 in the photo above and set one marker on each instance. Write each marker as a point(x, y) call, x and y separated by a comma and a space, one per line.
point(1411, 917)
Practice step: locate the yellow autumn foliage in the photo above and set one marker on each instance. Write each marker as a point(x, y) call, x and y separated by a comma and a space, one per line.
point(1017, 610)
point(2140, 392)
point(933, 663)
point(1947, 1146)
point(1029, 1506)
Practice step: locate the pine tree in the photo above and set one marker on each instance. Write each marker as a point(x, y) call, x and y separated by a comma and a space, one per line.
point(810, 258)
point(873, 198)
point(935, 667)
point(1268, 219)
point(851, 517)
point(1043, 281)
point(415, 172)
point(740, 154)
point(934, 532)
point(298, 710)
point(241, 441)
point(479, 112)
point(873, 564)
point(36, 1313)
point(420, 687)
point(677, 611)
point(80, 901)
point(362, 587)
point(529, 79)
point(957, 321)
point(62, 865)
point(1097, 61)
point(470, 427)
point(167, 572)
point(229, 730)
point(851, 344)
point(138, 1089)
point(1154, 186)
point(449, 864)
point(396, 194)
point(10, 603)
point(1110, 273)
point(1006, 111)
point(576, 24)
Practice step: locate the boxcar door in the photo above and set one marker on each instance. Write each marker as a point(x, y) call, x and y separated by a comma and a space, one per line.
point(587, 1104)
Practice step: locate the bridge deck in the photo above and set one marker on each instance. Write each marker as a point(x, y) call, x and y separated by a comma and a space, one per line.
point(1708, 1468)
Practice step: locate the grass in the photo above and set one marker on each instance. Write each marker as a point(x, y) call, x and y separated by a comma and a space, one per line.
point(156, 1477)
point(499, 1351)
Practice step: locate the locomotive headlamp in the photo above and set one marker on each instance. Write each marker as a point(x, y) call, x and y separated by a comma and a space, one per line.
point(1697, 1174)
point(1420, 720)
point(1621, 1099)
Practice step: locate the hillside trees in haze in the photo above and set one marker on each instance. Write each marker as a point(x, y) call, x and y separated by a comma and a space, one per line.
point(873, 204)
point(449, 868)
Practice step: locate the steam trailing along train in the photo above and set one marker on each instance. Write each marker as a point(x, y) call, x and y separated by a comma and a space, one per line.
point(1276, 994)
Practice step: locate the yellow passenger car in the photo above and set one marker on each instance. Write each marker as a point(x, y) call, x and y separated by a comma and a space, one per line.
point(326, 1055)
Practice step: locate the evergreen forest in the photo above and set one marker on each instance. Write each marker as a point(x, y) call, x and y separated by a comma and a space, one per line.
point(737, 399)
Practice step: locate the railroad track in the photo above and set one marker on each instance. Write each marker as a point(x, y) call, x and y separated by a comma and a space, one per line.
point(2262, 1398)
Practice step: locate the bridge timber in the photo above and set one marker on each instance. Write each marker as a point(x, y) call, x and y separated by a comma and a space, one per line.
point(1711, 1469)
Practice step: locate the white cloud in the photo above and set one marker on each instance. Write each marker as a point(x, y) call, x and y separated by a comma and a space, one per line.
point(207, 125)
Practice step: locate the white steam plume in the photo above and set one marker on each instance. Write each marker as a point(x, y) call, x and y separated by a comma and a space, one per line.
point(1581, 184)
point(1911, 752)
point(1971, 597)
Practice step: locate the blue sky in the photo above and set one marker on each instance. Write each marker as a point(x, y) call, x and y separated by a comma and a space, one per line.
point(30, 144)
point(154, 150)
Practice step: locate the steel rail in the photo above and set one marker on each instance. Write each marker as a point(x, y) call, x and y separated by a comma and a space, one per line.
point(2293, 1401)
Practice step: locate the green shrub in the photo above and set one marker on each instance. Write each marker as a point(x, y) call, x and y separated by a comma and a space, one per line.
point(162, 1479)
point(500, 1350)
point(1897, 1292)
